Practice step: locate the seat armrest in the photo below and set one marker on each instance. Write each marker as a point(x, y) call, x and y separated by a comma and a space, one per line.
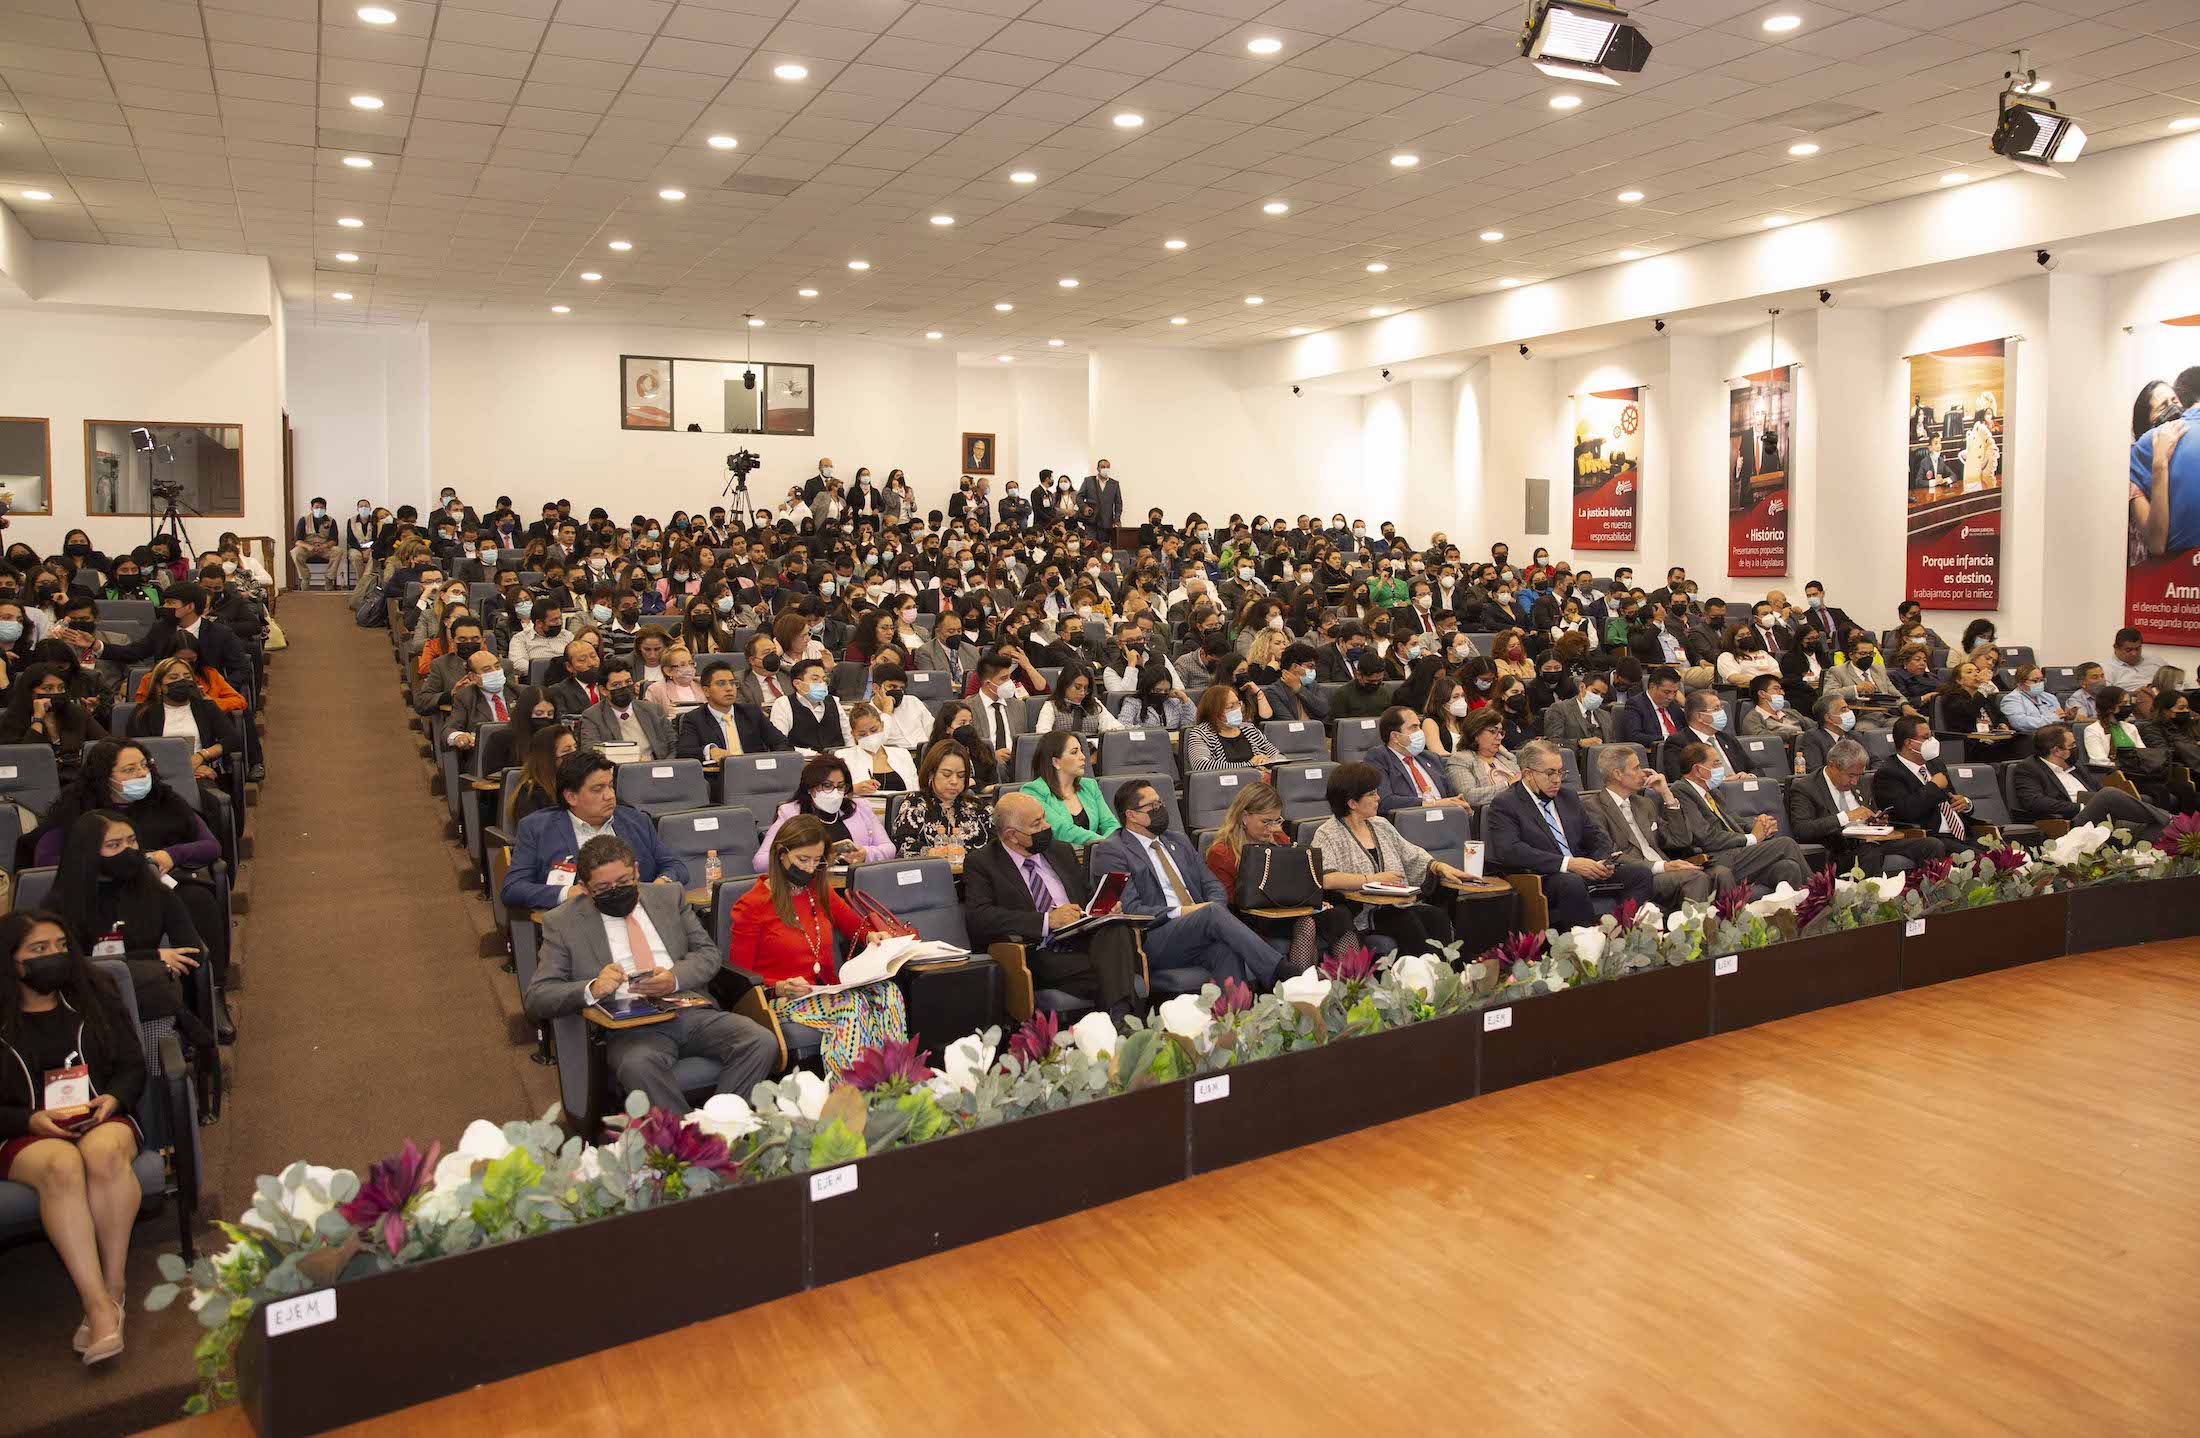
point(495, 837)
point(1535, 910)
point(753, 1006)
point(1014, 960)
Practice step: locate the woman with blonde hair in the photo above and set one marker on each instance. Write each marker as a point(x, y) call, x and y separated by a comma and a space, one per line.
point(678, 689)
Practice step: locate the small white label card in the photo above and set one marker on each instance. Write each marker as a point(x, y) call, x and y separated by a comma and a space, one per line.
point(833, 1182)
point(1913, 928)
point(307, 1310)
point(1210, 1088)
point(1725, 964)
point(1495, 1019)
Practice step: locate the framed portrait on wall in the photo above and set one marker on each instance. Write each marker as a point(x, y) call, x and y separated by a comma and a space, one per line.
point(645, 392)
point(26, 466)
point(977, 453)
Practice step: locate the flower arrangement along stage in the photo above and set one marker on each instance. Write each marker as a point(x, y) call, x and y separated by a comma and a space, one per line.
point(311, 1227)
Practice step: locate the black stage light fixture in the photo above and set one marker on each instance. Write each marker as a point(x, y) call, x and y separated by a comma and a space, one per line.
point(1583, 40)
point(2032, 133)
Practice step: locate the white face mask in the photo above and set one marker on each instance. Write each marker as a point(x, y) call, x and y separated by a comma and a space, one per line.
point(1231, 718)
point(1275, 621)
point(827, 801)
point(871, 743)
point(1457, 707)
point(1929, 750)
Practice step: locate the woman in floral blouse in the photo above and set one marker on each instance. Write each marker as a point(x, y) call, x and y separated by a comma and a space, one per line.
point(944, 820)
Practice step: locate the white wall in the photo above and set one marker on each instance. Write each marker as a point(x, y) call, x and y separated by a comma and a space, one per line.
point(1053, 409)
point(359, 414)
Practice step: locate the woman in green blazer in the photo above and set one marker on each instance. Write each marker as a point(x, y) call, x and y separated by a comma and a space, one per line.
point(1074, 807)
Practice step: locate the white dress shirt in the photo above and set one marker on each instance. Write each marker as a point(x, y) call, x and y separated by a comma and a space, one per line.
point(622, 952)
point(1152, 847)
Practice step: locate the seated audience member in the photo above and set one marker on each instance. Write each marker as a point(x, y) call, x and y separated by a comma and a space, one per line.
point(1706, 724)
point(1913, 791)
point(542, 872)
point(1356, 847)
point(1768, 712)
point(1075, 705)
point(2118, 741)
point(1836, 721)
point(946, 820)
point(1963, 707)
point(1753, 853)
point(825, 792)
point(1022, 887)
point(621, 937)
point(1296, 694)
point(211, 682)
point(115, 907)
point(1411, 777)
point(954, 724)
point(1256, 817)
point(1862, 679)
point(877, 766)
point(679, 688)
point(1652, 713)
point(41, 711)
point(1223, 736)
point(788, 930)
point(721, 725)
point(1637, 809)
point(622, 716)
point(2056, 784)
point(1066, 793)
point(1367, 696)
point(537, 789)
point(1481, 767)
point(1153, 702)
point(582, 687)
point(182, 710)
point(57, 1011)
point(2129, 668)
point(541, 634)
point(2027, 707)
point(1537, 827)
point(1822, 804)
point(477, 698)
point(1581, 720)
point(1913, 675)
point(907, 721)
point(1167, 879)
point(807, 713)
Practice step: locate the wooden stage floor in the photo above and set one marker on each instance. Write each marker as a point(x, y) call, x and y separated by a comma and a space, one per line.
point(1969, 1209)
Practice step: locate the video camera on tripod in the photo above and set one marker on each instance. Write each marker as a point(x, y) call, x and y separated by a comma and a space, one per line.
point(743, 463)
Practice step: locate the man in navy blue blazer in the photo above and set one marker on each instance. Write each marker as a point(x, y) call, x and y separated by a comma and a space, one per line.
point(1411, 778)
point(1517, 829)
point(1639, 717)
point(1165, 878)
point(548, 841)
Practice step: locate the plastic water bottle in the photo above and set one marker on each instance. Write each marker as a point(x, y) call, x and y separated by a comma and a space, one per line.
point(712, 871)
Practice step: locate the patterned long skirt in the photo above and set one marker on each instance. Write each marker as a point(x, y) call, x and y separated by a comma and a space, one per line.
point(852, 1020)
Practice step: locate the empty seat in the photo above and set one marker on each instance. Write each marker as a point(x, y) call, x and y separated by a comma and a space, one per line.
point(920, 893)
point(1304, 788)
point(759, 783)
point(663, 786)
point(1209, 793)
point(929, 686)
point(2062, 681)
point(1137, 751)
point(1443, 830)
point(1767, 755)
point(1981, 784)
point(1297, 738)
point(29, 776)
point(1354, 738)
point(691, 835)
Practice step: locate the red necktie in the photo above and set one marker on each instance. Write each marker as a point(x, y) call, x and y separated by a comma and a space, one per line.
point(1665, 721)
point(496, 705)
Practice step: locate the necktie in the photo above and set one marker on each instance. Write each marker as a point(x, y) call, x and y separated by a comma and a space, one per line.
point(496, 707)
point(1421, 785)
point(1558, 830)
point(1168, 872)
point(1712, 800)
point(1000, 726)
point(1665, 721)
point(732, 732)
point(638, 941)
point(1034, 882)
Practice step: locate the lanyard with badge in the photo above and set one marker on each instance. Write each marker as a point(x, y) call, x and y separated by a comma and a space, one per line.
point(111, 944)
point(68, 1091)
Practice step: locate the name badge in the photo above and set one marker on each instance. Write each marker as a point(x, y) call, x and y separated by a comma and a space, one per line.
point(68, 1090)
point(560, 875)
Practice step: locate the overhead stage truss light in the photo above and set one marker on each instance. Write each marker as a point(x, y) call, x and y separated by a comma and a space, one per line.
point(1583, 40)
point(2032, 133)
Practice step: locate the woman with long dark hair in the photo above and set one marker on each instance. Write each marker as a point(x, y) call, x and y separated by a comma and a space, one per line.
point(115, 908)
point(41, 711)
point(179, 707)
point(545, 749)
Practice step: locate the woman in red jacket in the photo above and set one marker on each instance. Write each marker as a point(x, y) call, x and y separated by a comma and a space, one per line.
point(783, 930)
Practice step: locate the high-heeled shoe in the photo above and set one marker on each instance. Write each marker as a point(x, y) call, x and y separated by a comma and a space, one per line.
point(109, 1346)
point(83, 1338)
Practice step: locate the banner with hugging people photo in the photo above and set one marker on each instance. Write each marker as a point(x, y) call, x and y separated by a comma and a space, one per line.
point(1607, 468)
point(2162, 487)
point(1957, 439)
point(1760, 431)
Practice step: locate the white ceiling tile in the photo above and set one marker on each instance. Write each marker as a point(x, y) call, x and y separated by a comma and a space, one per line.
point(641, 16)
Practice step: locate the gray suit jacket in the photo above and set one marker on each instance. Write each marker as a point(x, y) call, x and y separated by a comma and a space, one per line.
point(1696, 830)
point(1564, 723)
point(599, 724)
point(749, 690)
point(575, 949)
point(1654, 818)
point(470, 708)
point(930, 656)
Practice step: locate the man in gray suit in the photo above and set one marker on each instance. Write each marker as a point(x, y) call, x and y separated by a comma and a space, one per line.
point(619, 717)
point(1758, 854)
point(1582, 721)
point(945, 652)
point(482, 696)
point(1637, 808)
point(613, 932)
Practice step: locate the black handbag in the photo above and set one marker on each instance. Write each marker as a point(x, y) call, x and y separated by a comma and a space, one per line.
point(1277, 876)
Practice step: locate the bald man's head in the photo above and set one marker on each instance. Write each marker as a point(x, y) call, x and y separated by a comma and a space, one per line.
point(1020, 822)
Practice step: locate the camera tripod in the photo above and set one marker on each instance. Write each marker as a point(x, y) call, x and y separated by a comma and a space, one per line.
point(170, 522)
point(740, 509)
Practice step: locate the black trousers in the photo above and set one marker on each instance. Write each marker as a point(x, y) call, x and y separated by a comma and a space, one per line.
point(1414, 928)
point(1100, 969)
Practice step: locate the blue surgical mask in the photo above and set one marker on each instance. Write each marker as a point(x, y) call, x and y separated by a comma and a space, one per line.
point(493, 682)
point(1718, 720)
point(816, 692)
point(136, 789)
point(725, 604)
point(523, 608)
point(1848, 720)
point(655, 568)
point(1718, 775)
point(1591, 701)
point(1233, 717)
point(1416, 741)
point(600, 613)
point(1777, 701)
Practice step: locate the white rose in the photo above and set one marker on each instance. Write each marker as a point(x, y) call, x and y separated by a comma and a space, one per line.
point(1681, 919)
point(2145, 858)
point(1780, 900)
point(1183, 1017)
point(966, 1061)
point(1650, 916)
point(1094, 1035)
point(1588, 945)
point(728, 1116)
point(298, 1202)
point(1308, 988)
point(1418, 972)
point(483, 1142)
point(1887, 888)
point(808, 1100)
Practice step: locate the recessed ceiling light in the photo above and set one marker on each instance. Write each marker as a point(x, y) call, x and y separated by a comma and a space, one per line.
point(859, 264)
point(1129, 120)
point(1067, 283)
point(722, 142)
point(1630, 254)
point(358, 162)
point(591, 276)
point(2188, 122)
point(943, 220)
point(932, 334)
point(1378, 311)
point(1172, 244)
point(1264, 44)
point(1565, 102)
point(376, 15)
point(1493, 236)
point(807, 294)
point(1803, 148)
point(1275, 207)
point(561, 309)
point(350, 222)
point(669, 194)
point(1004, 307)
point(622, 245)
point(1773, 222)
point(791, 72)
point(1629, 197)
point(366, 102)
point(1178, 320)
point(1954, 177)
point(37, 194)
point(1405, 162)
point(1781, 24)
point(1022, 177)
point(1378, 268)
point(1508, 283)
point(755, 323)
point(1054, 344)
point(1256, 299)
point(346, 257)
point(1296, 330)
point(341, 295)
point(1005, 359)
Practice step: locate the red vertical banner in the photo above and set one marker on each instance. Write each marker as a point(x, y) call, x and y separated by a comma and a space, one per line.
point(2162, 499)
point(1760, 432)
point(1956, 435)
point(1607, 468)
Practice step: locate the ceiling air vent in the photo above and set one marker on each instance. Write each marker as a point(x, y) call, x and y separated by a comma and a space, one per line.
point(1090, 219)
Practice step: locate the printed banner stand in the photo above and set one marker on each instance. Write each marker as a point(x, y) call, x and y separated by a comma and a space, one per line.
point(2162, 548)
point(1608, 438)
point(1957, 437)
point(1760, 437)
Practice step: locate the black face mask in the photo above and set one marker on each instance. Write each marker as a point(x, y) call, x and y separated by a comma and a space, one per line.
point(467, 648)
point(180, 691)
point(1157, 819)
point(967, 736)
point(125, 581)
point(769, 663)
point(583, 676)
point(48, 973)
point(123, 867)
point(1369, 681)
point(618, 901)
point(800, 878)
point(699, 619)
point(620, 695)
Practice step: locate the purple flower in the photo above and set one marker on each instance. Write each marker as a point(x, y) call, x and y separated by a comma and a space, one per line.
point(1234, 999)
point(670, 1146)
point(1515, 950)
point(2008, 858)
point(2181, 836)
point(1935, 871)
point(1034, 1042)
point(883, 1066)
point(391, 1186)
point(1350, 964)
point(1731, 901)
point(1816, 897)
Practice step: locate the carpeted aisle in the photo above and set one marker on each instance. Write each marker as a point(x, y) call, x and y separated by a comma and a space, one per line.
point(365, 1017)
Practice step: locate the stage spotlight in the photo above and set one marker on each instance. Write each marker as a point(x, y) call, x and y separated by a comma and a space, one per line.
point(2031, 133)
point(1583, 40)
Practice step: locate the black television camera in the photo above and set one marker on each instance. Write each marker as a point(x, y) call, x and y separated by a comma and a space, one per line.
point(743, 463)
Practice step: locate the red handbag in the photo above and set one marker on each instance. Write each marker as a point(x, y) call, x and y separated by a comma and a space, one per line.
point(877, 917)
